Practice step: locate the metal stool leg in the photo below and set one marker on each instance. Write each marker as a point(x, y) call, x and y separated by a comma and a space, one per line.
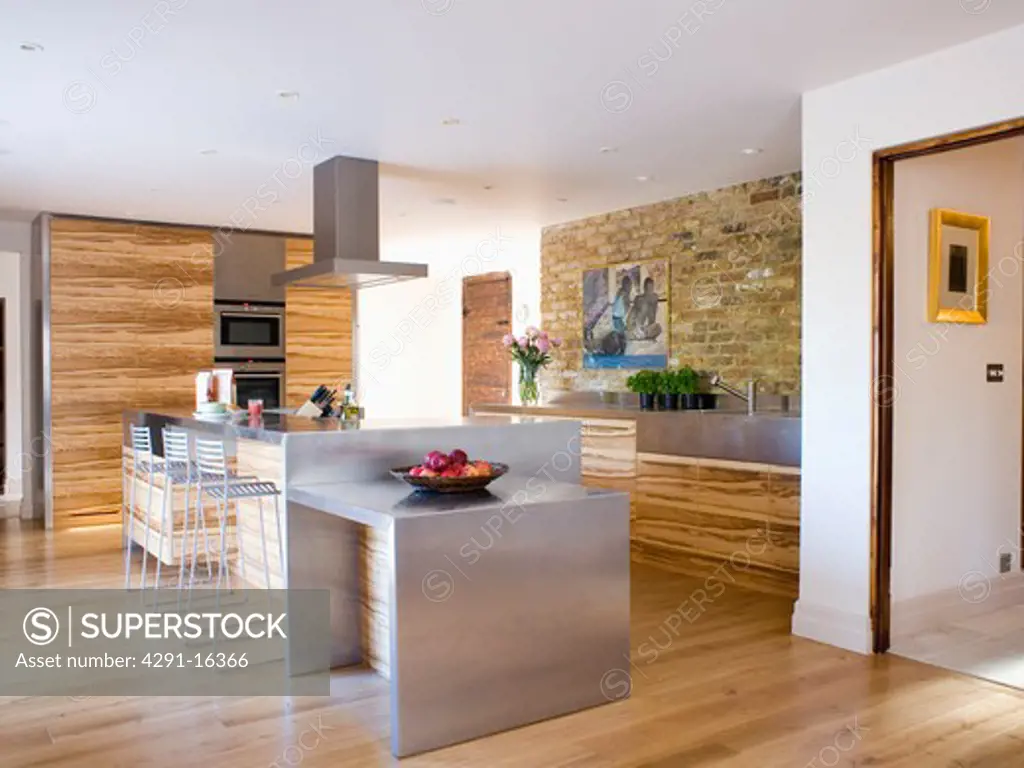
point(149, 507)
point(184, 535)
point(263, 541)
point(239, 538)
point(165, 508)
point(131, 528)
point(280, 540)
point(200, 526)
point(222, 566)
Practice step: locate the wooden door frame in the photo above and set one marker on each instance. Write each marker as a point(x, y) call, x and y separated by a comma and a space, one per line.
point(486, 277)
point(884, 385)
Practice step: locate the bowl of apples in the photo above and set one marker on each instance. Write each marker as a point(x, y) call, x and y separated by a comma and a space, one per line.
point(452, 472)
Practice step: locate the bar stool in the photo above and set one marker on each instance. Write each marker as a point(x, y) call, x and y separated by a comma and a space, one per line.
point(180, 469)
point(221, 485)
point(175, 468)
point(143, 463)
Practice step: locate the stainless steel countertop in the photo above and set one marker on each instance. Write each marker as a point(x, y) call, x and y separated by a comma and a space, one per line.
point(766, 437)
point(274, 427)
point(379, 503)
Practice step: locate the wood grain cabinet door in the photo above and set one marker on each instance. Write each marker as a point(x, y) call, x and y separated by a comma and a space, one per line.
point(318, 331)
point(131, 322)
point(486, 318)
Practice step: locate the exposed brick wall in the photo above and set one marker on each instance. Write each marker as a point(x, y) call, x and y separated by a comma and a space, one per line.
point(735, 271)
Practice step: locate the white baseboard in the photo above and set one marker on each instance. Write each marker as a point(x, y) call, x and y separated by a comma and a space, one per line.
point(10, 506)
point(981, 595)
point(828, 625)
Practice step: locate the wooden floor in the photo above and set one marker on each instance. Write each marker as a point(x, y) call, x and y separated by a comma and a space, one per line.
point(989, 645)
point(727, 687)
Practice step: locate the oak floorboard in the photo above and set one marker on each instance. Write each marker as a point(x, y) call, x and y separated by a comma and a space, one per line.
point(726, 685)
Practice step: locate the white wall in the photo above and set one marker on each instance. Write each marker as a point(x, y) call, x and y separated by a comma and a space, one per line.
point(409, 342)
point(956, 438)
point(15, 247)
point(961, 87)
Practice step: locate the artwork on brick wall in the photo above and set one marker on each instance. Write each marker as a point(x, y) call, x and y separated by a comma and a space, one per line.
point(626, 315)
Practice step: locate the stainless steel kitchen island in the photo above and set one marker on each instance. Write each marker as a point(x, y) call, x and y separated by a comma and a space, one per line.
point(486, 611)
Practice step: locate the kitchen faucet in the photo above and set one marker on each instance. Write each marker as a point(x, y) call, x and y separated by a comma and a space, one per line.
point(750, 398)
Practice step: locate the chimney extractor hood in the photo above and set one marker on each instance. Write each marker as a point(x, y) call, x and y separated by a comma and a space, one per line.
point(346, 232)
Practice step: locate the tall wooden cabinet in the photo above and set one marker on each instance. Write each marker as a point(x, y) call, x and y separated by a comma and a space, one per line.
point(318, 332)
point(130, 322)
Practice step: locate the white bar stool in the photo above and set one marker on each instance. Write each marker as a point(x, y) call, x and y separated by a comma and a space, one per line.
point(143, 463)
point(180, 469)
point(175, 469)
point(219, 484)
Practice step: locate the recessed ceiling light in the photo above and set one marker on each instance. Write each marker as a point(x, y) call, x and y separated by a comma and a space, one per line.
point(32, 47)
point(606, 150)
point(752, 151)
point(562, 199)
point(643, 178)
point(402, 215)
point(488, 187)
point(288, 95)
point(451, 121)
point(445, 201)
point(207, 151)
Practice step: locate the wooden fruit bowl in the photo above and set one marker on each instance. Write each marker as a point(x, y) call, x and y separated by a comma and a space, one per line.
point(450, 484)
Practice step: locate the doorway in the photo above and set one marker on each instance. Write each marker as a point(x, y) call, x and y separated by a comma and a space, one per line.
point(486, 318)
point(916, 357)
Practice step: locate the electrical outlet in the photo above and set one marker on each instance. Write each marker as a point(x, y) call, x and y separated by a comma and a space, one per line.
point(1005, 562)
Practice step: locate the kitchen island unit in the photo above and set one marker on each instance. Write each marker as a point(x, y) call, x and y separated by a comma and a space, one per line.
point(486, 611)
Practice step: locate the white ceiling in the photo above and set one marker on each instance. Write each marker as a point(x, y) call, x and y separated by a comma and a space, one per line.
point(110, 118)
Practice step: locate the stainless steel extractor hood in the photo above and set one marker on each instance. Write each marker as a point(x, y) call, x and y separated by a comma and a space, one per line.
point(346, 232)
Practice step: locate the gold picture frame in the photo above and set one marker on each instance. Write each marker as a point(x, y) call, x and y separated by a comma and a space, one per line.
point(958, 267)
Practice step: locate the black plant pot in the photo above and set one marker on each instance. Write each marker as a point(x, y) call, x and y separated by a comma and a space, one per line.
point(646, 401)
point(668, 402)
point(708, 401)
point(691, 402)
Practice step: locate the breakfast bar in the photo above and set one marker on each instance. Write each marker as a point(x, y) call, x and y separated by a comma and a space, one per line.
point(487, 610)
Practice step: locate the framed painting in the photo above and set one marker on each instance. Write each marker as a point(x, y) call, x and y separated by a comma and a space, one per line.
point(626, 315)
point(958, 267)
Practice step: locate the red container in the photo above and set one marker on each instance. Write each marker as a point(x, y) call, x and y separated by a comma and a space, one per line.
point(255, 409)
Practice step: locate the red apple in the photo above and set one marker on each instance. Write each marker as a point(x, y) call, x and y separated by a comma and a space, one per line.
point(458, 456)
point(436, 461)
point(416, 471)
point(428, 473)
point(452, 472)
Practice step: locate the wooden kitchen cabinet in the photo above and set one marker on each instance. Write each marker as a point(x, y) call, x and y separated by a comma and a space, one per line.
point(318, 332)
point(131, 319)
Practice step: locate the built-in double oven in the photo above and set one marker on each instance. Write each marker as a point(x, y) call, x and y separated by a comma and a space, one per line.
point(249, 338)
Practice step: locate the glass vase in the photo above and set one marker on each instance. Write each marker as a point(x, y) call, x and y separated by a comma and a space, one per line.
point(529, 390)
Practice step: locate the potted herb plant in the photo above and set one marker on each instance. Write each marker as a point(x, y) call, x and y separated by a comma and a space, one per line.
point(668, 390)
point(687, 383)
point(646, 384)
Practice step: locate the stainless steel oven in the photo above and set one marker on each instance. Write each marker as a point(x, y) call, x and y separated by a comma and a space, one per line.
point(248, 331)
point(257, 380)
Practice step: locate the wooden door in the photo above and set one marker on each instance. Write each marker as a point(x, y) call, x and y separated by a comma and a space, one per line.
point(486, 317)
